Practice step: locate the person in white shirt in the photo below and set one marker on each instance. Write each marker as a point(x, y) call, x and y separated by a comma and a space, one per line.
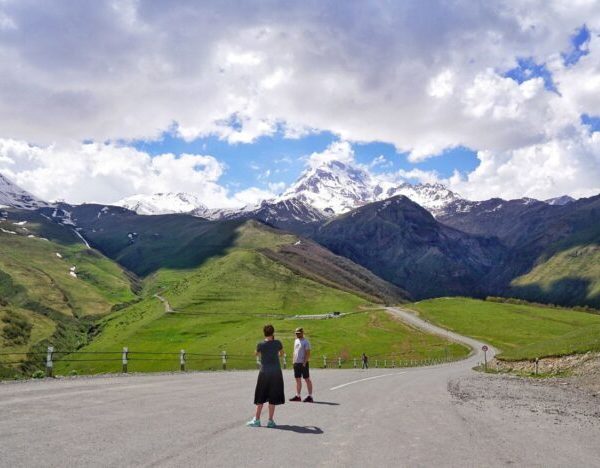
point(301, 366)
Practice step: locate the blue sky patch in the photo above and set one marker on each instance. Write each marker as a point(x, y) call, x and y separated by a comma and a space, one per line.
point(276, 159)
point(592, 121)
point(527, 69)
point(578, 47)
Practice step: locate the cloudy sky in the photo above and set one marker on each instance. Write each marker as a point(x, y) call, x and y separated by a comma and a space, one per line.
point(227, 99)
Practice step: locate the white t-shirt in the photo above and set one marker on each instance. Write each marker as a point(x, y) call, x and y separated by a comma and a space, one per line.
point(300, 348)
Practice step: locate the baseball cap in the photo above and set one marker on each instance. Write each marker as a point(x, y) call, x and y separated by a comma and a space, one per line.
point(299, 330)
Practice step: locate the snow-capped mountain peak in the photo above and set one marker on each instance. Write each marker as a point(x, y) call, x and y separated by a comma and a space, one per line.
point(162, 203)
point(433, 197)
point(336, 187)
point(13, 196)
point(333, 187)
point(564, 200)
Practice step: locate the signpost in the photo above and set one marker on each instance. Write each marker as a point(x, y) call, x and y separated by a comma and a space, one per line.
point(485, 350)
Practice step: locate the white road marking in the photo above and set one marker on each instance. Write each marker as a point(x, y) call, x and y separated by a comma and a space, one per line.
point(363, 380)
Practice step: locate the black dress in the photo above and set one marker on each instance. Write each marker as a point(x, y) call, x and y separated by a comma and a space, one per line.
point(269, 386)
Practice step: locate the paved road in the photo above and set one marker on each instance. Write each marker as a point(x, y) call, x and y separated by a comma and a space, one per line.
point(379, 417)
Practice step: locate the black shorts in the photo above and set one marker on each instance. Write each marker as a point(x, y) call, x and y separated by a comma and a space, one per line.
point(269, 388)
point(301, 370)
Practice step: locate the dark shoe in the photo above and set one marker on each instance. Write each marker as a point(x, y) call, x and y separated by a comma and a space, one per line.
point(308, 399)
point(296, 398)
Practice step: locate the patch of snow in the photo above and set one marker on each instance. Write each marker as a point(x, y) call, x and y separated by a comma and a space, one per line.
point(73, 274)
point(162, 203)
point(7, 232)
point(20, 223)
point(59, 255)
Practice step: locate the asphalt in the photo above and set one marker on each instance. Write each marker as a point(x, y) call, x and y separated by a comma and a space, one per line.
point(375, 417)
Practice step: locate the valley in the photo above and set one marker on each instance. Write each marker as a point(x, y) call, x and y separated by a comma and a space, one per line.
point(86, 278)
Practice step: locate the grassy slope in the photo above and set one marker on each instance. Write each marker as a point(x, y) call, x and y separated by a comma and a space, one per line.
point(373, 332)
point(223, 304)
point(569, 277)
point(35, 282)
point(519, 331)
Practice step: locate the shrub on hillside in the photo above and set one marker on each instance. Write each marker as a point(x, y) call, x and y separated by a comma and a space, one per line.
point(16, 330)
point(513, 300)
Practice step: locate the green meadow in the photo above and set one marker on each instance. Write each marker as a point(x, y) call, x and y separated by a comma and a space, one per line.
point(518, 331)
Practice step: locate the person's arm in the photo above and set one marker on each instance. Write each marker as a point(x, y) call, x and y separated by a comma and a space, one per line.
point(280, 349)
point(306, 352)
point(257, 352)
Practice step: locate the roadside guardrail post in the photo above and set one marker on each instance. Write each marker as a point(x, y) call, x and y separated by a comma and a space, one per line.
point(385, 363)
point(284, 361)
point(339, 362)
point(376, 363)
point(355, 363)
point(182, 360)
point(224, 359)
point(324, 362)
point(537, 362)
point(125, 359)
point(393, 364)
point(49, 364)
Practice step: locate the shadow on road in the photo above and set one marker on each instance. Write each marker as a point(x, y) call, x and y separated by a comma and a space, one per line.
point(330, 403)
point(301, 429)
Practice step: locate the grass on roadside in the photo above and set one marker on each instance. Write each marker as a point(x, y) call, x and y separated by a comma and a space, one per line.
point(518, 331)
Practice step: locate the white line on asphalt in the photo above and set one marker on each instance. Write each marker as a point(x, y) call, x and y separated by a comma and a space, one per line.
point(363, 380)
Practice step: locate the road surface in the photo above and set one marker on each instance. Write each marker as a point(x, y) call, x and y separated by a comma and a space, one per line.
point(377, 417)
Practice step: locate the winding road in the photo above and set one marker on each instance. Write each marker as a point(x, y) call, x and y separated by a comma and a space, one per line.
point(377, 417)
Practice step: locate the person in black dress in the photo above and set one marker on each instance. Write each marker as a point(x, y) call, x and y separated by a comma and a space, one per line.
point(269, 385)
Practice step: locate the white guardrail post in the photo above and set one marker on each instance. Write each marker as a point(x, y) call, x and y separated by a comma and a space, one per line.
point(284, 361)
point(355, 363)
point(339, 362)
point(125, 359)
point(49, 363)
point(182, 360)
point(224, 359)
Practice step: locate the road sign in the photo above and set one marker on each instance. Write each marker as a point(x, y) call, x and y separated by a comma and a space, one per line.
point(484, 348)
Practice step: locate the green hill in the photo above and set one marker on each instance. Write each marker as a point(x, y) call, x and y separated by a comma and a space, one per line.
point(223, 303)
point(569, 277)
point(518, 331)
point(51, 286)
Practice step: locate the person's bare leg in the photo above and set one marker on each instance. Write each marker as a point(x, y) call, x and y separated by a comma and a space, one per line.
point(298, 386)
point(259, 410)
point(309, 386)
point(271, 411)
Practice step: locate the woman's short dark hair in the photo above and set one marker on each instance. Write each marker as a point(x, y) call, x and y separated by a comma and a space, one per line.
point(269, 330)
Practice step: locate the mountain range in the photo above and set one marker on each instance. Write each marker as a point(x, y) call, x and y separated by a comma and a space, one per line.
point(423, 239)
point(324, 191)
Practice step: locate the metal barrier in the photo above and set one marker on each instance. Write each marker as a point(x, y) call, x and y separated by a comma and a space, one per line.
point(126, 356)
